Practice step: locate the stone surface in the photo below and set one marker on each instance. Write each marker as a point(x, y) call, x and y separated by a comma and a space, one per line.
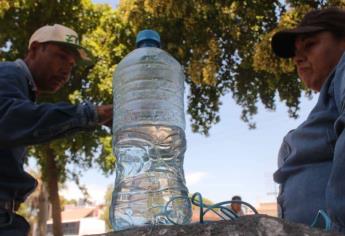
point(261, 225)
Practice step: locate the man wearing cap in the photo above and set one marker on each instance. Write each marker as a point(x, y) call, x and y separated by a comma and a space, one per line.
point(236, 206)
point(52, 53)
point(311, 161)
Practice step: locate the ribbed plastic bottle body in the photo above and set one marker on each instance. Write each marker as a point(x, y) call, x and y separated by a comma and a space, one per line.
point(149, 141)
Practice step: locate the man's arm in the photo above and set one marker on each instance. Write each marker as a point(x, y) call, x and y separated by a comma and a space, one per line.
point(23, 122)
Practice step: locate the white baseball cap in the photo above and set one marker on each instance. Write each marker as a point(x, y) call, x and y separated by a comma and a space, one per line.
point(61, 35)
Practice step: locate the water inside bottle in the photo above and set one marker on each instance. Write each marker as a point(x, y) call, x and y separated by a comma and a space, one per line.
point(150, 185)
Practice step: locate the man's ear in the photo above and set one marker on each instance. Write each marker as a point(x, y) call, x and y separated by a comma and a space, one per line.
point(33, 50)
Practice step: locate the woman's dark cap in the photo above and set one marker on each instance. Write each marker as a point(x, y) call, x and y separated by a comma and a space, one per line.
point(328, 19)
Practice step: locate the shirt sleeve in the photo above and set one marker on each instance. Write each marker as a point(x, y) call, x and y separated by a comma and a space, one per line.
point(22, 122)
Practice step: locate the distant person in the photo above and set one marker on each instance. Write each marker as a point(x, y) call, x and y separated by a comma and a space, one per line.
point(236, 207)
point(311, 162)
point(53, 51)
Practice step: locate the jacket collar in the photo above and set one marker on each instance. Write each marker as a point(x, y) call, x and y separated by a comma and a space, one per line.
point(30, 79)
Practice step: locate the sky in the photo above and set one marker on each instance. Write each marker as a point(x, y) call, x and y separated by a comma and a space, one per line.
point(113, 3)
point(232, 160)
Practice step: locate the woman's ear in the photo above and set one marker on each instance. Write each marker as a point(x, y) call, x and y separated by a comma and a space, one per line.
point(343, 44)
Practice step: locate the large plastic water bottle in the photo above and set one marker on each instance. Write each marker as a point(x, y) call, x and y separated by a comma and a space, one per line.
point(149, 140)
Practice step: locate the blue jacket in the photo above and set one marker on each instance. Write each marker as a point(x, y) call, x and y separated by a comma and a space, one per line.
point(312, 158)
point(23, 122)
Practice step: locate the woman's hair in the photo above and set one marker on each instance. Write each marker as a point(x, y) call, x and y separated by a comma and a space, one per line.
point(338, 34)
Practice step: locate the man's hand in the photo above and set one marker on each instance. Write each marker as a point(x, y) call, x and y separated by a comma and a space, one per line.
point(105, 115)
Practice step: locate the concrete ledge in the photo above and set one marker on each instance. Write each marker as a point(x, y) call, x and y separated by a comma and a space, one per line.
point(262, 225)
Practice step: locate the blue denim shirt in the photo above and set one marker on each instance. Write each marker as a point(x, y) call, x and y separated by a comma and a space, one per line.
point(311, 162)
point(23, 122)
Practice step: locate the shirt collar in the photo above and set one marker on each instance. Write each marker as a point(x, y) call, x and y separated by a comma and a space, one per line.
point(29, 77)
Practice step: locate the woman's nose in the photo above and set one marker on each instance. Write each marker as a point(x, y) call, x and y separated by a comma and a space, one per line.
point(299, 57)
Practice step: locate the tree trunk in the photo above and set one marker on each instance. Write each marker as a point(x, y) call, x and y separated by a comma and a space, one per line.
point(52, 173)
point(43, 214)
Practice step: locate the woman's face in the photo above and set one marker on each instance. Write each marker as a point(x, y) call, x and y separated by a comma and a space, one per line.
point(315, 57)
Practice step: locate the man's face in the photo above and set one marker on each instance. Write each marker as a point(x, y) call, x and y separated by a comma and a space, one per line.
point(236, 207)
point(51, 66)
point(315, 57)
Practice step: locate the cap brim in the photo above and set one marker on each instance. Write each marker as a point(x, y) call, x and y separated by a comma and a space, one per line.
point(283, 42)
point(85, 56)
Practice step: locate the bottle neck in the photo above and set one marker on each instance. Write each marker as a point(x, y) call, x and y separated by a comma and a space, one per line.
point(148, 43)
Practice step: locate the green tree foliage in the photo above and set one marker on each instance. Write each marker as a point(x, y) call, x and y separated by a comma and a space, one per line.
point(214, 40)
point(224, 47)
